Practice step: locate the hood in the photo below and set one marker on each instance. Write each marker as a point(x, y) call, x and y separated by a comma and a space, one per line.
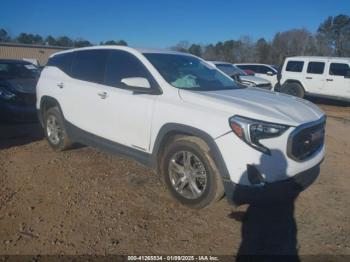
point(257, 104)
point(254, 79)
point(27, 86)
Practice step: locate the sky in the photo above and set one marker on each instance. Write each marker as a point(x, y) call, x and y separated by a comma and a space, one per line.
point(163, 23)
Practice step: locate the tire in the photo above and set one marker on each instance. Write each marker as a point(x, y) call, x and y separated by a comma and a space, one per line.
point(293, 89)
point(55, 131)
point(184, 181)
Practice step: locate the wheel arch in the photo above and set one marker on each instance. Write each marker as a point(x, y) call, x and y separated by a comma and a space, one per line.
point(290, 81)
point(47, 102)
point(170, 131)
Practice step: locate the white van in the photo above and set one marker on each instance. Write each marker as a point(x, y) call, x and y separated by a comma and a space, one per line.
point(316, 76)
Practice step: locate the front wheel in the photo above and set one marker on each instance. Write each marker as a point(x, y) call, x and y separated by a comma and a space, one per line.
point(293, 89)
point(190, 172)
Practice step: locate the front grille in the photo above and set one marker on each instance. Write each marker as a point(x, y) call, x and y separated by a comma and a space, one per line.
point(265, 86)
point(306, 140)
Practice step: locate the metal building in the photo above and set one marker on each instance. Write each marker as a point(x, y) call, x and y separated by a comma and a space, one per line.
point(39, 53)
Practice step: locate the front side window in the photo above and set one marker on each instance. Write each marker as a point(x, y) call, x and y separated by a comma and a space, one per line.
point(188, 72)
point(264, 69)
point(339, 69)
point(121, 64)
point(315, 68)
point(89, 65)
point(13, 70)
point(295, 66)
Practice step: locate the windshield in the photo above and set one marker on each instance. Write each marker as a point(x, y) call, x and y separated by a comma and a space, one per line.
point(188, 72)
point(230, 69)
point(11, 70)
point(276, 67)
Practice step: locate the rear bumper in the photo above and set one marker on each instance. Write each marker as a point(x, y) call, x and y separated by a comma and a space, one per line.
point(271, 192)
point(17, 113)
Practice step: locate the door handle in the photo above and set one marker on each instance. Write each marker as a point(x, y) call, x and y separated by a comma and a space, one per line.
point(60, 85)
point(329, 80)
point(308, 77)
point(103, 95)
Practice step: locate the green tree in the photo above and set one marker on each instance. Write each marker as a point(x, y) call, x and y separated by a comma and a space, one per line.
point(4, 36)
point(64, 41)
point(181, 46)
point(195, 49)
point(50, 40)
point(263, 50)
point(334, 32)
point(112, 42)
point(81, 43)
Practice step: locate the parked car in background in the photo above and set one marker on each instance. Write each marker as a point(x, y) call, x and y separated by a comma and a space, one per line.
point(268, 72)
point(182, 116)
point(327, 77)
point(249, 72)
point(241, 76)
point(18, 80)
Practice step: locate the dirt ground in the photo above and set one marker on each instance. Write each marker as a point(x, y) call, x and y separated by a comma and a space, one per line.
point(85, 201)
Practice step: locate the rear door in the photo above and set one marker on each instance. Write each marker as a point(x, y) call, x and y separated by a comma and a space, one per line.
point(337, 80)
point(82, 91)
point(315, 76)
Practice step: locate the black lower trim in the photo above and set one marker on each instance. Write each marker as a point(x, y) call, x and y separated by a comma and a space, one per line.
point(272, 192)
point(80, 136)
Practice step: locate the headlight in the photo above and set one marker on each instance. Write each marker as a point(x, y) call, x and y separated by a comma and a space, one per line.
point(252, 131)
point(6, 94)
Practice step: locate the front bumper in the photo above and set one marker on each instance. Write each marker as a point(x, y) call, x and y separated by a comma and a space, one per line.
point(17, 113)
point(271, 192)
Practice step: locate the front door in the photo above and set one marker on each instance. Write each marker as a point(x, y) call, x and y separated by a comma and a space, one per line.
point(125, 117)
point(315, 77)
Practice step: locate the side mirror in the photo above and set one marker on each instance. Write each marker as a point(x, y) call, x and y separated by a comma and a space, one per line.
point(270, 73)
point(136, 82)
point(139, 85)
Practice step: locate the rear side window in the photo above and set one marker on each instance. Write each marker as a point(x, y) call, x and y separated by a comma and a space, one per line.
point(295, 66)
point(121, 64)
point(62, 61)
point(315, 68)
point(339, 69)
point(89, 65)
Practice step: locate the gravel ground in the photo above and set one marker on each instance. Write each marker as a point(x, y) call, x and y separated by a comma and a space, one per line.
point(85, 201)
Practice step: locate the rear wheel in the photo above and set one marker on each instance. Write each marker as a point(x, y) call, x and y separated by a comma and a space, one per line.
point(190, 172)
point(55, 131)
point(293, 89)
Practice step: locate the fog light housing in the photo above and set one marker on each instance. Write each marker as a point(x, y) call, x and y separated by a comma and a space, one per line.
point(254, 176)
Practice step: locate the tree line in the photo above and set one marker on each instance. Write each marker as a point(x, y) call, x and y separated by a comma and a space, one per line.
point(63, 41)
point(332, 38)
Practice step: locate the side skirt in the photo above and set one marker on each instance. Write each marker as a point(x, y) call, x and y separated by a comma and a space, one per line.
point(80, 136)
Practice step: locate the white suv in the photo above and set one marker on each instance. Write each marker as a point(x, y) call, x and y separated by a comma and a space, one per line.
point(183, 117)
point(316, 76)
